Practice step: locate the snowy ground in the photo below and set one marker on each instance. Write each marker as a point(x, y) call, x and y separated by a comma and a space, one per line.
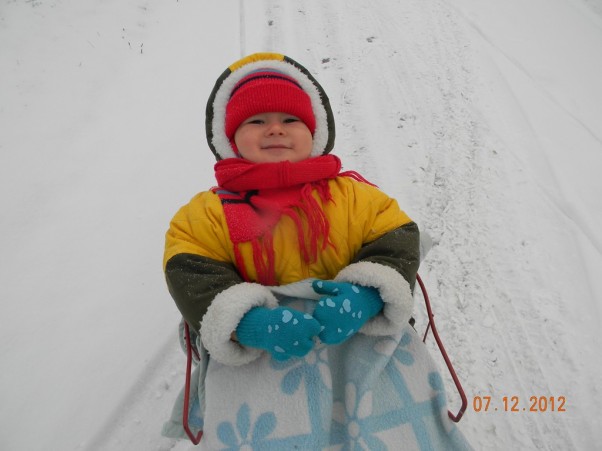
point(483, 119)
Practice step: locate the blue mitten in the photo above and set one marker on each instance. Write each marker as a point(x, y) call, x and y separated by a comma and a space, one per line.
point(345, 309)
point(283, 332)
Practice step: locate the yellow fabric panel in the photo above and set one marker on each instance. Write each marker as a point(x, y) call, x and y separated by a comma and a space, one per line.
point(255, 57)
point(199, 228)
point(358, 215)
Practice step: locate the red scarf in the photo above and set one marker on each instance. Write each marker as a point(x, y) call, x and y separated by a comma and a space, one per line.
point(256, 195)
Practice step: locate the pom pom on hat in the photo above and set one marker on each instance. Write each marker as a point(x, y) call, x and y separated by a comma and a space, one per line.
point(267, 91)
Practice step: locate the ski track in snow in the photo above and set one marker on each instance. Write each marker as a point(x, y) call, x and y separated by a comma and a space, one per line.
point(403, 79)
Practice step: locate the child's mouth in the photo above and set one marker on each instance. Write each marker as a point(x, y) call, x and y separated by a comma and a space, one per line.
point(276, 147)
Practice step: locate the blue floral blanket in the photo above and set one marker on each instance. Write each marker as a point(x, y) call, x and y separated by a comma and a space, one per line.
point(369, 393)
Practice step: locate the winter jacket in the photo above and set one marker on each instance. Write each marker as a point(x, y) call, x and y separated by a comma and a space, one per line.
point(374, 244)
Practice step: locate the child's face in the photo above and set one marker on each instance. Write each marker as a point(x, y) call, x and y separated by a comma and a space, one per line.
point(272, 138)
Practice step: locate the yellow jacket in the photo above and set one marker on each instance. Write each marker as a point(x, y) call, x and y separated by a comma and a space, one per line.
point(365, 225)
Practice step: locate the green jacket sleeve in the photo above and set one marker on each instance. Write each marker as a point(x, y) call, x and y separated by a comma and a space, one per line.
point(194, 281)
point(398, 249)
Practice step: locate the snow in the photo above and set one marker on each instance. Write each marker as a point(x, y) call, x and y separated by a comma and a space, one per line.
point(483, 119)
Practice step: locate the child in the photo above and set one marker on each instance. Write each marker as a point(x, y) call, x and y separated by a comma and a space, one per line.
point(297, 280)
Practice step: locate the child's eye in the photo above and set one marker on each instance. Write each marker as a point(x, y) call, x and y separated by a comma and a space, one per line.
point(254, 121)
point(290, 120)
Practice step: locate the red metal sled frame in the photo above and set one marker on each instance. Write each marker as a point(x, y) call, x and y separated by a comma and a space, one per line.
point(195, 439)
point(431, 325)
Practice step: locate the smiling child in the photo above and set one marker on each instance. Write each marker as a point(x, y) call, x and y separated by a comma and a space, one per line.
point(297, 280)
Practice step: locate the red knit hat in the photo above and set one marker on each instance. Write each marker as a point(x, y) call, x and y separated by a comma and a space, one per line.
point(267, 91)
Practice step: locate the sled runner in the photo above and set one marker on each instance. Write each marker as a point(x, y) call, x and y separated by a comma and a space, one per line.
point(191, 349)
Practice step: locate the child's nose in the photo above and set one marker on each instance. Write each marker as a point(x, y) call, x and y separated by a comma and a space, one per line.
point(275, 128)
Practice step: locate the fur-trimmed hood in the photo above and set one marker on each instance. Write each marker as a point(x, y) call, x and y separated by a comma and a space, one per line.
point(215, 119)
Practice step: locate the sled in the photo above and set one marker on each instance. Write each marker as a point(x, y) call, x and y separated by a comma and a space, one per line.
point(455, 417)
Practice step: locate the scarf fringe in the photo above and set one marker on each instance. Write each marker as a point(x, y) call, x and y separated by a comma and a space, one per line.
point(252, 208)
point(313, 230)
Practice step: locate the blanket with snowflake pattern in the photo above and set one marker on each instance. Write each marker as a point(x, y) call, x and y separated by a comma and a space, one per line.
point(369, 393)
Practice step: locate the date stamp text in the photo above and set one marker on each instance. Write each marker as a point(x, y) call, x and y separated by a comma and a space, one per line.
point(517, 404)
